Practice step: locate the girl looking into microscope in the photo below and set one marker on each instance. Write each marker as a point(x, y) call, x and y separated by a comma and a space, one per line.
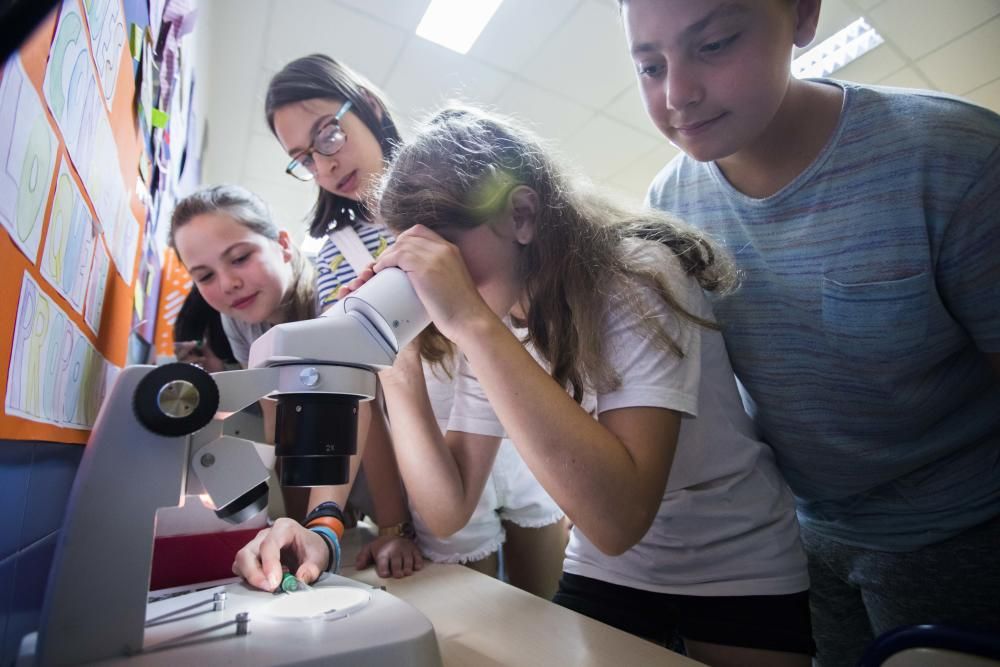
point(586, 338)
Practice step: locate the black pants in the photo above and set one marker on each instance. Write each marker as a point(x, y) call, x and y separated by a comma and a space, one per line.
point(769, 622)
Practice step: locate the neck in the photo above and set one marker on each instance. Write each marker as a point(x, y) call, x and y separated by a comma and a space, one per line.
point(800, 129)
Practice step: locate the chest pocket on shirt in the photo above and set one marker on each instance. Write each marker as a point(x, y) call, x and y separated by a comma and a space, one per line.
point(877, 322)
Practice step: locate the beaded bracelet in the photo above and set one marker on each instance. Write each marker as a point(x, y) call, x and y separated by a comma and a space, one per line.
point(332, 545)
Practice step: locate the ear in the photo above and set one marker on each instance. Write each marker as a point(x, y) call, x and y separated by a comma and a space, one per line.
point(372, 103)
point(285, 241)
point(522, 207)
point(806, 20)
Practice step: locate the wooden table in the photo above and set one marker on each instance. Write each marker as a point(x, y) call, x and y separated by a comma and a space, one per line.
point(484, 622)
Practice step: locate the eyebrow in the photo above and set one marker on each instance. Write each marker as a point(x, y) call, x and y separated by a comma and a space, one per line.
point(228, 252)
point(312, 133)
point(696, 28)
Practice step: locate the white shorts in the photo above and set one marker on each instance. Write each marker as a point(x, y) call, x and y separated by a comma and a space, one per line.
point(511, 494)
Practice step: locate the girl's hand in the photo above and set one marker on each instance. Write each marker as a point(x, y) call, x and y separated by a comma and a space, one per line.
point(260, 561)
point(438, 275)
point(393, 556)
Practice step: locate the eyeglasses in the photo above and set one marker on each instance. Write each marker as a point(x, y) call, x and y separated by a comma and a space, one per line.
point(328, 140)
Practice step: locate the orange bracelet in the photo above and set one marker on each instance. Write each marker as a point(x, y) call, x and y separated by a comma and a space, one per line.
point(330, 522)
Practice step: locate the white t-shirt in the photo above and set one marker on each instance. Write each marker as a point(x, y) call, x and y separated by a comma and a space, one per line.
point(726, 524)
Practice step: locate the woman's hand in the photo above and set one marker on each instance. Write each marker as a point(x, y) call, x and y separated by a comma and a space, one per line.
point(438, 274)
point(392, 555)
point(303, 551)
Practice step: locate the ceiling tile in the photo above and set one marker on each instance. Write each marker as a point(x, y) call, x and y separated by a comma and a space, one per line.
point(905, 78)
point(966, 63)
point(405, 14)
point(509, 39)
point(918, 27)
point(552, 116)
point(605, 146)
point(987, 96)
point(587, 58)
point(427, 75)
point(637, 175)
point(868, 4)
point(629, 108)
point(332, 29)
point(875, 65)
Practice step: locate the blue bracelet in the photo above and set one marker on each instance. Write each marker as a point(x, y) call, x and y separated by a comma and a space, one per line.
point(332, 543)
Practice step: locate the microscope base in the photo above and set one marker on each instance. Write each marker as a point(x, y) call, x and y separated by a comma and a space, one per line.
point(185, 630)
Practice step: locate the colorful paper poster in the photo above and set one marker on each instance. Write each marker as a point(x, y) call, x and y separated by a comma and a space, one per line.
point(69, 243)
point(107, 39)
point(27, 159)
point(97, 286)
point(174, 287)
point(71, 89)
point(75, 101)
point(56, 376)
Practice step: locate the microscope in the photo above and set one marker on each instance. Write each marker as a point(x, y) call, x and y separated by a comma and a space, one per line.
point(160, 438)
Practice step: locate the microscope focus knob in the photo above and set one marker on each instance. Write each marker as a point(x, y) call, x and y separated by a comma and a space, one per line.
point(175, 399)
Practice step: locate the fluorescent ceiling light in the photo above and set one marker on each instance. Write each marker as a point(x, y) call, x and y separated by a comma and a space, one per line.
point(831, 54)
point(456, 24)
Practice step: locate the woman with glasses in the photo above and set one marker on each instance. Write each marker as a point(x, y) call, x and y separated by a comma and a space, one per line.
point(338, 132)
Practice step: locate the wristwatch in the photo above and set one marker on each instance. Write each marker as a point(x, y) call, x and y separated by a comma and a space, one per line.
point(401, 529)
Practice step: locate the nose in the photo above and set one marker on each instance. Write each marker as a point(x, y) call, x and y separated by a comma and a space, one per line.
point(325, 164)
point(682, 87)
point(231, 281)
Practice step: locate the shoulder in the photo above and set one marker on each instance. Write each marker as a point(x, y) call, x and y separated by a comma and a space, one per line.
point(668, 185)
point(922, 120)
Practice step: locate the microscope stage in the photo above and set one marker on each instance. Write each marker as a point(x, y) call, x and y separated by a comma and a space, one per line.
point(336, 621)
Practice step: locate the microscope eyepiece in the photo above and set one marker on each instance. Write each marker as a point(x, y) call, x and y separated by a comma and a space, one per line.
point(315, 436)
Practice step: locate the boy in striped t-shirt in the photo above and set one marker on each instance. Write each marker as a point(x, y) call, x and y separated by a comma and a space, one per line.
point(866, 332)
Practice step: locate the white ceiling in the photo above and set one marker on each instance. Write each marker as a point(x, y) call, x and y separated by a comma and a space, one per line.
point(561, 65)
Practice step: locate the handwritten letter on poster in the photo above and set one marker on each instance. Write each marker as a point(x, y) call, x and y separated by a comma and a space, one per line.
point(56, 376)
point(69, 244)
point(27, 158)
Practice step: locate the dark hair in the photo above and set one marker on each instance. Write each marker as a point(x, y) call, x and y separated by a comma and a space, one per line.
point(196, 320)
point(321, 77)
point(587, 251)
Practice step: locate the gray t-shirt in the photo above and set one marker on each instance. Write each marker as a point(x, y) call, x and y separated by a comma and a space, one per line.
point(241, 336)
point(871, 292)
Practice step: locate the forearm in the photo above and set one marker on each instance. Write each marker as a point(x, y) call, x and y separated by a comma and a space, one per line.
point(434, 481)
point(340, 492)
point(587, 469)
point(382, 472)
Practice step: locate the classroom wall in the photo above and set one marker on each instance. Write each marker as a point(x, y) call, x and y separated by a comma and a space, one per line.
point(98, 307)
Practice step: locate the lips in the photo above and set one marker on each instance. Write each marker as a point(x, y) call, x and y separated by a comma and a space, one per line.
point(245, 302)
point(347, 183)
point(696, 127)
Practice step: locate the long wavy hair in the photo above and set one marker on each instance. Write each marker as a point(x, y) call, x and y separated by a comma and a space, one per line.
point(249, 210)
point(459, 171)
point(321, 77)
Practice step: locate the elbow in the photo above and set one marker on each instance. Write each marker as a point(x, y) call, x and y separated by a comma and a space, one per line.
point(613, 545)
point(443, 527)
point(614, 538)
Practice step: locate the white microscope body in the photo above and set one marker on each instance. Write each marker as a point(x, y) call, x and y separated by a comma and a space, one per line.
point(158, 438)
